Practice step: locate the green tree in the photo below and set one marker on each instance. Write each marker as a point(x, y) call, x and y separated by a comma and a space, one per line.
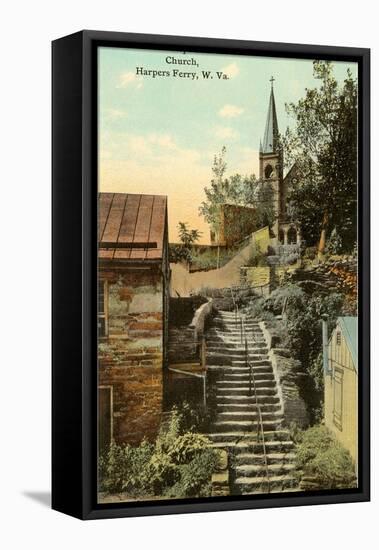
point(236, 189)
point(323, 145)
point(188, 237)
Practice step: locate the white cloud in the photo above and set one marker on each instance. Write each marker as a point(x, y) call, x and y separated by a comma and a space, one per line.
point(231, 70)
point(225, 132)
point(128, 79)
point(163, 140)
point(230, 111)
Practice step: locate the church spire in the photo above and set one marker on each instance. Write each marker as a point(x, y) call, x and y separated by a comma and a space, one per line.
point(270, 140)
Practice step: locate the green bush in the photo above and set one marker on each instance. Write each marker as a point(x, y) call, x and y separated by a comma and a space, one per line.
point(187, 446)
point(322, 457)
point(177, 464)
point(310, 253)
point(195, 478)
point(125, 468)
point(193, 417)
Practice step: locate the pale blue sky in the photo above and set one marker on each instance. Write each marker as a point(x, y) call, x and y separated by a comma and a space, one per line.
point(159, 135)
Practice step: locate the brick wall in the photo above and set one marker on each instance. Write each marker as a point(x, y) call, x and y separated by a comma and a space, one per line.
point(131, 356)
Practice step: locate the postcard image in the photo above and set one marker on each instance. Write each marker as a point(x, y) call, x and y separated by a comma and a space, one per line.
point(227, 354)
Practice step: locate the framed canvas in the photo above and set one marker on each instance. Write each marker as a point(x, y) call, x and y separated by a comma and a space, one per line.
point(210, 275)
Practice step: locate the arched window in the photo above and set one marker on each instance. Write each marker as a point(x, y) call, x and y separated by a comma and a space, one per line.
point(292, 236)
point(281, 236)
point(268, 171)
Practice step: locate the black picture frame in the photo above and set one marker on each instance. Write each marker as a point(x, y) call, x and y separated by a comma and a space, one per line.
point(74, 271)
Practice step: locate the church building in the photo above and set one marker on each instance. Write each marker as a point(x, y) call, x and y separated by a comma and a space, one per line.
point(271, 173)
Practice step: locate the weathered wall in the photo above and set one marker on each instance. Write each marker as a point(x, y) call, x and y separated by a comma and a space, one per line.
point(261, 239)
point(257, 277)
point(131, 356)
point(342, 382)
point(185, 283)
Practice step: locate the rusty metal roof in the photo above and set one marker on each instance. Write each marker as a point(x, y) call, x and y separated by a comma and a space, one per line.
point(131, 227)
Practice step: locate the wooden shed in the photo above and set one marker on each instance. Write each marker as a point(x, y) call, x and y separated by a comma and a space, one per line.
point(341, 384)
point(133, 295)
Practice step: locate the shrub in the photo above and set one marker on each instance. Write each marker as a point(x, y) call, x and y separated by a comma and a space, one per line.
point(125, 468)
point(178, 464)
point(185, 447)
point(195, 476)
point(310, 253)
point(193, 417)
point(322, 457)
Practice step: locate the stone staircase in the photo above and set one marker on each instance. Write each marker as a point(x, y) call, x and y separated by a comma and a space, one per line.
point(237, 418)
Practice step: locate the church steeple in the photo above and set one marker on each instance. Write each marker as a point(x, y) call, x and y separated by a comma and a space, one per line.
point(270, 140)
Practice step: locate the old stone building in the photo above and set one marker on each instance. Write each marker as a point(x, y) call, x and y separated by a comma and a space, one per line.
point(238, 221)
point(132, 315)
point(284, 229)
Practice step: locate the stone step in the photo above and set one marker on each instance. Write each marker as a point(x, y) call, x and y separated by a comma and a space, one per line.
point(215, 359)
point(250, 447)
point(232, 334)
point(249, 415)
point(231, 316)
point(272, 458)
point(245, 382)
point(232, 319)
point(246, 407)
point(248, 399)
point(246, 376)
point(259, 470)
point(250, 439)
point(248, 425)
point(228, 328)
point(244, 390)
point(229, 340)
point(259, 367)
point(236, 350)
point(226, 343)
point(251, 485)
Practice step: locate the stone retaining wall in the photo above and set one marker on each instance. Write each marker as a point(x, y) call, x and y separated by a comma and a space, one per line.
point(287, 372)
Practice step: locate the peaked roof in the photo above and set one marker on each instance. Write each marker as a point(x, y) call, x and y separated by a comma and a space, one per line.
point(349, 328)
point(131, 227)
point(270, 139)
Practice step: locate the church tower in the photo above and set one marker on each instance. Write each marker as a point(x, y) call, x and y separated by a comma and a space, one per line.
point(270, 157)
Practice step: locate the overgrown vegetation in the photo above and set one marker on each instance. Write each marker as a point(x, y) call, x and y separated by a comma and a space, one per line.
point(323, 145)
point(212, 258)
point(179, 464)
point(300, 331)
point(236, 189)
point(188, 237)
point(322, 459)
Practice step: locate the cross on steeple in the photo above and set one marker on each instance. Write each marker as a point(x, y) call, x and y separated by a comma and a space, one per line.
point(272, 80)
